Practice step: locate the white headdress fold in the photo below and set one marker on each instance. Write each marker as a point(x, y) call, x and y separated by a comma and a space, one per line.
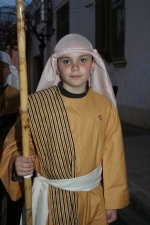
point(99, 80)
point(12, 79)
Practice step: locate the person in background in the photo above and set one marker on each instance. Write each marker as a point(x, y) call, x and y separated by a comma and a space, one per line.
point(108, 61)
point(9, 108)
point(76, 145)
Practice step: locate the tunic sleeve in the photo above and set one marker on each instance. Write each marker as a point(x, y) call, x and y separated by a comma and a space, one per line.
point(12, 148)
point(116, 193)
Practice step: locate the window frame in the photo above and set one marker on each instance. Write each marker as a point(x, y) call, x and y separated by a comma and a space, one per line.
point(104, 17)
point(62, 21)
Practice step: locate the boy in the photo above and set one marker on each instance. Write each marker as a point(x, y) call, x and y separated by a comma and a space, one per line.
point(76, 142)
point(9, 106)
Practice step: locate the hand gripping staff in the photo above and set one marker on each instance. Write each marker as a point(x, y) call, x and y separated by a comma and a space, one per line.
point(24, 101)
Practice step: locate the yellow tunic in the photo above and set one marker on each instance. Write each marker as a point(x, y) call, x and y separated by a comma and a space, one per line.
point(9, 104)
point(97, 137)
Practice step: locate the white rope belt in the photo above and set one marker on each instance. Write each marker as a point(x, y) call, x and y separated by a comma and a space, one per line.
point(40, 191)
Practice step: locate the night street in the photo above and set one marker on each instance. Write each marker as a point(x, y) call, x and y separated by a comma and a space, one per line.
point(137, 152)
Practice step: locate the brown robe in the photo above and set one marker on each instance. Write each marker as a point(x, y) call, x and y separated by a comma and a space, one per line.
point(97, 136)
point(9, 107)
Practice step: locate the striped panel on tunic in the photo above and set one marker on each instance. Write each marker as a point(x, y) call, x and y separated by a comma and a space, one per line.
point(51, 133)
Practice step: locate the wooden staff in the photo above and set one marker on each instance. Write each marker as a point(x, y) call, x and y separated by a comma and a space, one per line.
point(24, 101)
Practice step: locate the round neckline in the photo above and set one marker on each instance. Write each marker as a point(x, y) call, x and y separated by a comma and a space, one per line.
point(68, 94)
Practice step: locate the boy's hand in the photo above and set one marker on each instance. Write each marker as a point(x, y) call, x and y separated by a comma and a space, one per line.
point(111, 215)
point(24, 166)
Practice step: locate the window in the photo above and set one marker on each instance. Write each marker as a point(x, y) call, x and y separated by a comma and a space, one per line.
point(63, 21)
point(110, 28)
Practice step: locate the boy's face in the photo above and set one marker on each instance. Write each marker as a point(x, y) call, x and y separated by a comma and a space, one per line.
point(74, 70)
point(4, 72)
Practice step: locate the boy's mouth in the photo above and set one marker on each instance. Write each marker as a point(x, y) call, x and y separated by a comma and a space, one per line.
point(75, 76)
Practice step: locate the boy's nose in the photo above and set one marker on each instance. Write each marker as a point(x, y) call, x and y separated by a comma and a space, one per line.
point(75, 67)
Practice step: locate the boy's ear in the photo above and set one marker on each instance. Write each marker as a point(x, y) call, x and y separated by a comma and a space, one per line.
point(93, 66)
point(57, 71)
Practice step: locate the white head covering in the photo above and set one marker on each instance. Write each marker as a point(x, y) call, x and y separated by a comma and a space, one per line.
point(99, 80)
point(12, 79)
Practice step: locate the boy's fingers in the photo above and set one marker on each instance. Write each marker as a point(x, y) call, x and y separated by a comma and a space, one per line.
point(21, 159)
point(26, 169)
point(24, 166)
point(111, 215)
point(25, 159)
point(33, 157)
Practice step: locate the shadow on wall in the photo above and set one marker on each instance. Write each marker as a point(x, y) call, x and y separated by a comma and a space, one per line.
point(140, 81)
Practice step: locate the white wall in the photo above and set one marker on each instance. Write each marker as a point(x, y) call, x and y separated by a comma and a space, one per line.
point(134, 79)
point(82, 19)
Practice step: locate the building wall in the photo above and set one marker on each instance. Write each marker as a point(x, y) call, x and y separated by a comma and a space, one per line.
point(82, 19)
point(134, 79)
point(33, 60)
point(84, 25)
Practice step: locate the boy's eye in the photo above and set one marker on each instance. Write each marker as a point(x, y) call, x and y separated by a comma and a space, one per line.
point(83, 60)
point(3, 65)
point(66, 61)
